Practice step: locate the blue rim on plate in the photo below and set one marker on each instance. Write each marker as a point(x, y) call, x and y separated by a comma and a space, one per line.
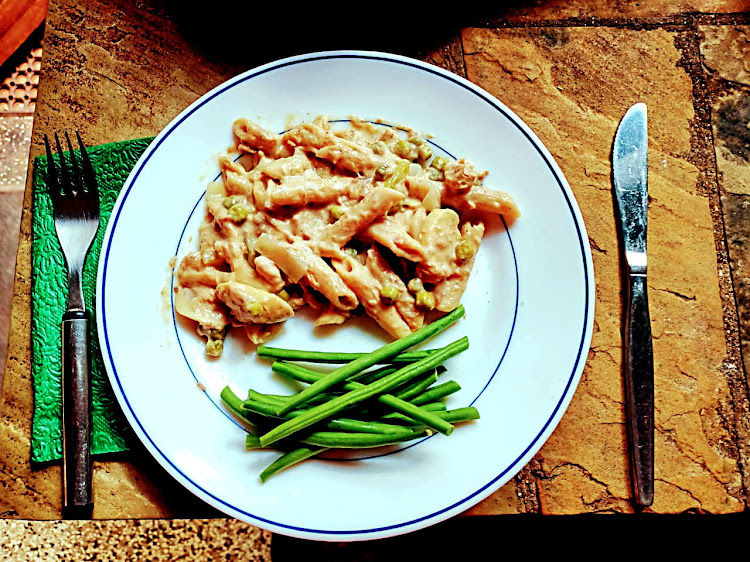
point(585, 326)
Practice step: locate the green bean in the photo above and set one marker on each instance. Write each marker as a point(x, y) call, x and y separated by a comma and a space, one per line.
point(235, 404)
point(457, 415)
point(433, 408)
point(418, 387)
point(341, 424)
point(407, 392)
point(282, 399)
point(362, 426)
point(270, 398)
point(232, 401)
point(346, 439)
point(399, 175)
point(306, 375)
point(437, 392)
point(252, 441)
point(389, 350)
point(378, 388)
point(367, 377)
point(333, 357)
point(309, 375)
point(290, 458)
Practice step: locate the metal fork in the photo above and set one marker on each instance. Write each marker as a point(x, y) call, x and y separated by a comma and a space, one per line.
point(75, 202)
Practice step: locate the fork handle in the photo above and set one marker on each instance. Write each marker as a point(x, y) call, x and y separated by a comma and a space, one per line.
point(77, 495)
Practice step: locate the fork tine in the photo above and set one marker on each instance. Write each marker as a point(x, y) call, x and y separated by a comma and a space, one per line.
point(63, 167)
point(89, 177)
point(53, 183)
point(75, 169)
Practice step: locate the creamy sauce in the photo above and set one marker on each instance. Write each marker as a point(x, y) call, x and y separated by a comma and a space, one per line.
point(340, 220)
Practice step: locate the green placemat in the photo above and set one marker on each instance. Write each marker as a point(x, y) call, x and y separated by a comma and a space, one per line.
point(110, 430)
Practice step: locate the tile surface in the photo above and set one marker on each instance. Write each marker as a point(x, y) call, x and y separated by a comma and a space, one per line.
point(595, 10)
point(551, 78)
point(726, 57)
point(569, 69)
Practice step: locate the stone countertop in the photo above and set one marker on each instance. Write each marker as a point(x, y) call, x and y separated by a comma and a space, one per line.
point(122, 70)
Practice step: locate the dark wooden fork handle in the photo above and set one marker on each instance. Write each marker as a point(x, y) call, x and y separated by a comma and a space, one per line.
point(77, 496)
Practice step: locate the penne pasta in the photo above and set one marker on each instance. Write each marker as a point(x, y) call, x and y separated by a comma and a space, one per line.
point(448, 291)
point(251, 305)
point(356, 218)
point(337, 219)
point(368, 291)
point(405, 303)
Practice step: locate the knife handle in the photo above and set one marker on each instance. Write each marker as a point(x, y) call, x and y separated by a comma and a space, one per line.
point(77, 489)
point(639, 389)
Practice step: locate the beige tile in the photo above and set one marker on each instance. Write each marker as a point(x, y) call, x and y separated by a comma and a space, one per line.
point(10, 217)
point(572, 85)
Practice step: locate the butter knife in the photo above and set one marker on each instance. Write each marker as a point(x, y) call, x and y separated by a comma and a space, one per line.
point(630, 183)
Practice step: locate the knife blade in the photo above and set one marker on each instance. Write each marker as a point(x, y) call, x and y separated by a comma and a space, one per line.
point(630, 187)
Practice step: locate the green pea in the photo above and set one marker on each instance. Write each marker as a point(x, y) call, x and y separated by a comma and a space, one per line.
point(337, 211)
point(464, 250)
point(383, 171)
point(424, 151)
point(255, 308)
point(379, 148)
point(426, 300)
point(214, 348)
point(231, 201)
point(434, 174)
point(415, 286)
point(404, 149)
point(389, 293)
point(438, 163)
point(215, 334)
point(238, 213)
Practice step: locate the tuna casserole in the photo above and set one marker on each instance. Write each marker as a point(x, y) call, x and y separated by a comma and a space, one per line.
point(363, 219)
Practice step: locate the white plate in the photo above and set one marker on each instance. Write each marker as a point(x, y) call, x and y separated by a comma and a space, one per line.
point(529, 307)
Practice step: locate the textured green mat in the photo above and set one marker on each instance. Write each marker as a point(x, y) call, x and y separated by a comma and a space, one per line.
point(110, 430)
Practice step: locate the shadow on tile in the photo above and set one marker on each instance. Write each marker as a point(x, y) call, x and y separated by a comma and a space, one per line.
point(501, 536)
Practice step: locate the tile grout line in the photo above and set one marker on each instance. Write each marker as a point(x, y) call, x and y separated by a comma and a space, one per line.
point(678, 22)
point(703, 144)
